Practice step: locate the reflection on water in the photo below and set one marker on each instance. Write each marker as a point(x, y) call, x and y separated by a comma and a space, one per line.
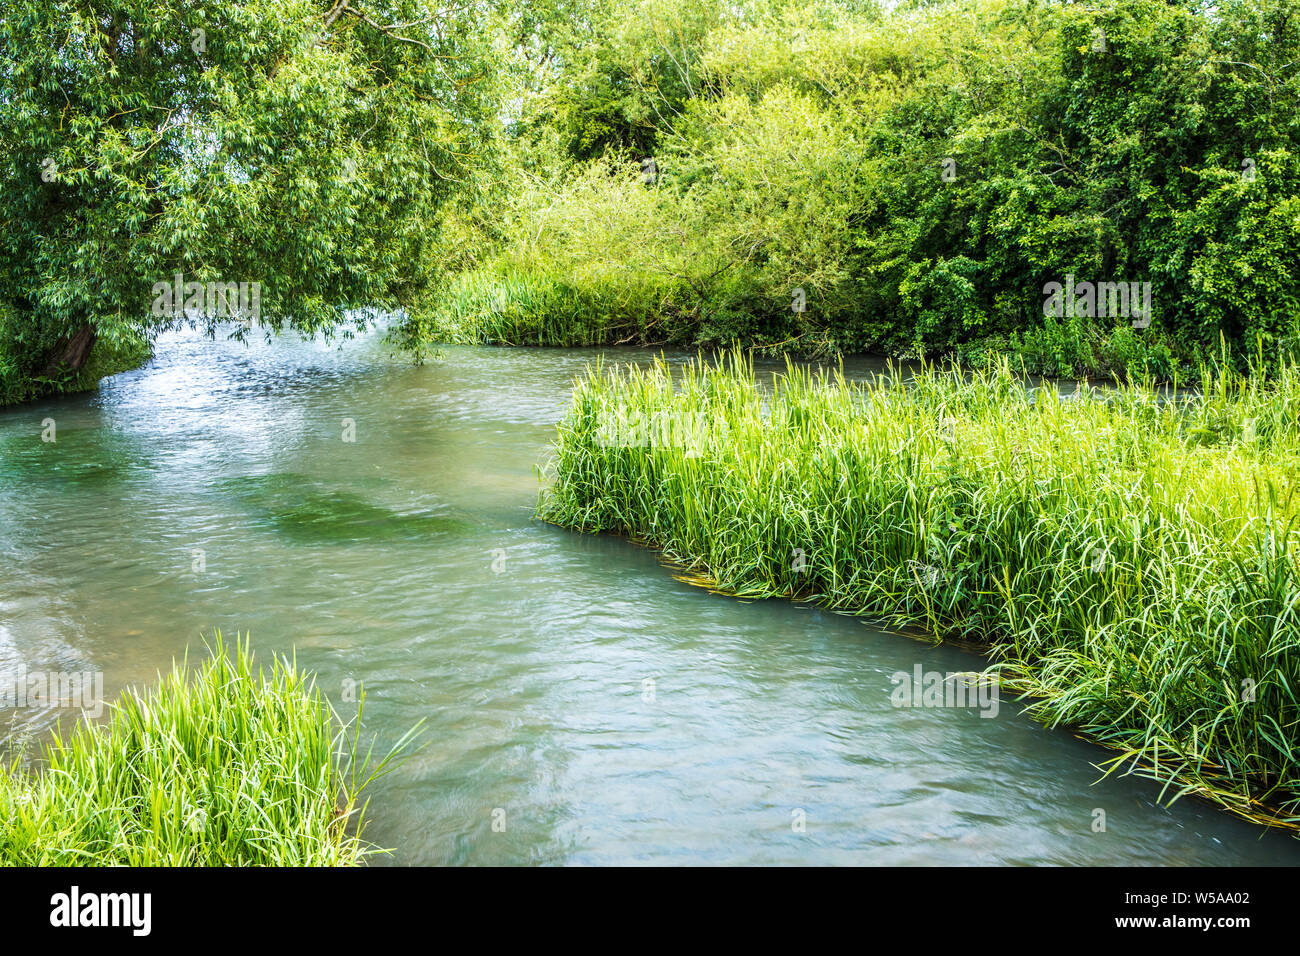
point(606, 712)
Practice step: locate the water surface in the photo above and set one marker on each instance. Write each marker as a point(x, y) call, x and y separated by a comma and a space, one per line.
point(214, 488)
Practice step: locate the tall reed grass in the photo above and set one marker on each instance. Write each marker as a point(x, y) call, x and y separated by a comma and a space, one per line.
point(517, 307)
point(235, 766)
point(1128, 562)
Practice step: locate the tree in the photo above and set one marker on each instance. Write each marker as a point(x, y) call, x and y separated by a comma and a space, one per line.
point(300, 147)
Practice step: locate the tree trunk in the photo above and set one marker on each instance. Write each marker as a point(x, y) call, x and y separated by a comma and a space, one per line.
point(71, 353)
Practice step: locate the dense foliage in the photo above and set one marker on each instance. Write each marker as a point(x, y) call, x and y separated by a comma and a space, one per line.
point(920, 174)
point(302, 145)
point(816, 175)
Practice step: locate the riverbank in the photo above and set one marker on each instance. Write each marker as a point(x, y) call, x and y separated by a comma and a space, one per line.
point(232, 767)
point(21, 383)
point(522, 307)
point(1127, 562)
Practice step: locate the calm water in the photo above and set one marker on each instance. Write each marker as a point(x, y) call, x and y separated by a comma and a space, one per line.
point(406, 561)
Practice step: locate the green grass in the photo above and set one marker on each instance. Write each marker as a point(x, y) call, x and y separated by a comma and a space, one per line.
point(539, 308)
point(235, 767)
point(1127, 562)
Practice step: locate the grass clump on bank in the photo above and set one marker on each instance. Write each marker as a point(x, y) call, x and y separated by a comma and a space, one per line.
point(1128, 562)
point(233, 767)
point(481, 308)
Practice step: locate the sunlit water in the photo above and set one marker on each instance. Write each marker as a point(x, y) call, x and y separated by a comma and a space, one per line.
point(407, 561)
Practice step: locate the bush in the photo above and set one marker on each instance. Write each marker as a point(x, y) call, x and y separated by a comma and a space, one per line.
point(921, 176)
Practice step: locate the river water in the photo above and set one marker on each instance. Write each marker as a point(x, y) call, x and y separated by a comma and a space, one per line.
point(582, 706)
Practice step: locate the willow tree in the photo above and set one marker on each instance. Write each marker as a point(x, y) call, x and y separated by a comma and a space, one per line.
point(300, 146)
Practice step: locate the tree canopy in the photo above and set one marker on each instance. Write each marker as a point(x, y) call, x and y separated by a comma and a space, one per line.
point(820, 175)
point(303, 145)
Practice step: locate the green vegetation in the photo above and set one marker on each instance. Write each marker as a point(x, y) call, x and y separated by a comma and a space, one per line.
point(807, 176)
point(300, 145)
point(804, 175)
point(104, 359)
point(234, 767)
point(1129, 562)
point(921, 174)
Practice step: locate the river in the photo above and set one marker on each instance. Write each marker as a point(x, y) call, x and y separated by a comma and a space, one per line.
point(582, 706)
